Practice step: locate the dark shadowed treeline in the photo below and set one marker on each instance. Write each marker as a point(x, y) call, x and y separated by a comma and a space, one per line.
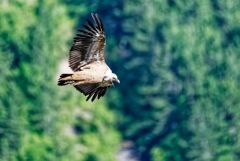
point(178, 62)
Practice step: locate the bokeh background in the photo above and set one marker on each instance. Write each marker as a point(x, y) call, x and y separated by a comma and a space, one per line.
point(179, 66)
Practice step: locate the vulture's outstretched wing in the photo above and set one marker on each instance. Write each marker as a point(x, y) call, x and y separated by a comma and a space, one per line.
point(91, 90)
point(88, 45)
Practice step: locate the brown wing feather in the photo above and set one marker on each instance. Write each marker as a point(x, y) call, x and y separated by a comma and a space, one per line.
point(86, 89)
point(88, 45)
point(97, 93)
point(92, 91)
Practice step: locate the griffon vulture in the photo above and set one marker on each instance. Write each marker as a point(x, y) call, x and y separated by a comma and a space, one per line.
point(91, 75)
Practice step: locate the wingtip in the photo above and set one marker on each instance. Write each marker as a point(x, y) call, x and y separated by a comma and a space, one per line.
point(97, 21)
point(93, 15)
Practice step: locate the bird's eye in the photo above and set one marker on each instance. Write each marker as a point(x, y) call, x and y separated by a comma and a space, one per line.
point(105, 78)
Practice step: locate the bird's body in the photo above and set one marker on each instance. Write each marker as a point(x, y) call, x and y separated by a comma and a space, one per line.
point(91, 75)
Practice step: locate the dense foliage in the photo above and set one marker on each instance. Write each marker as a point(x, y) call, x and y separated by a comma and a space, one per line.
point(39, 121)
point(180, 59)
point(178, 62)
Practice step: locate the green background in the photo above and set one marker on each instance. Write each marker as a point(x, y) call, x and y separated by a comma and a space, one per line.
point(178, 62)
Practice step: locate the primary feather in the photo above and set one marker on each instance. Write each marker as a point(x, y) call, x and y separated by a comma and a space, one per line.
point(88, 45)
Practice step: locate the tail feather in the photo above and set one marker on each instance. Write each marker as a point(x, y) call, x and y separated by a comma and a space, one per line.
point(65, 79)
point(65, 75)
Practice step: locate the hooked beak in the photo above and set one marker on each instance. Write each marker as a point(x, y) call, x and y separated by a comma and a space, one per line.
point(116, 80)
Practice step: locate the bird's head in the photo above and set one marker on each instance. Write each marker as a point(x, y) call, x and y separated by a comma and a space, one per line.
point(111, 77)
point(115, 78)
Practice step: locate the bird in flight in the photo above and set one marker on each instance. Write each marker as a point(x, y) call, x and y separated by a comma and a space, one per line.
point(91, 75)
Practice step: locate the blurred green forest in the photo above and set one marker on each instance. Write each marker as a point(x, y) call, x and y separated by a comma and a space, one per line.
point(178, 62)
